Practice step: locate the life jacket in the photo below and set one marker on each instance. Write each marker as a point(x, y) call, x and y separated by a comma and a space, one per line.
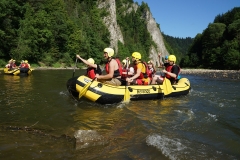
point(26, 66)
point(117, 72)
point(151, 72)
point(12, 65)
point(169, 69)
point(124, 75)
point(143, 76)
point(22, 65)
point(91, 72)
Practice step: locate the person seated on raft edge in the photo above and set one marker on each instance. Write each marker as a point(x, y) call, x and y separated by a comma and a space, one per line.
point(21, 64)
point(141, 71)
point(151, 69)
point(127, 70)
point(113, 69)
point(165, 64)
point(92, 68)
point(26, 62)
point(158, 79)
point(11, 64)
point(24, 66)
point(171, 71)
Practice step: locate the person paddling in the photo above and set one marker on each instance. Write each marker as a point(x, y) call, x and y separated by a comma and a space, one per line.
point(92, 68)
point(113, 68)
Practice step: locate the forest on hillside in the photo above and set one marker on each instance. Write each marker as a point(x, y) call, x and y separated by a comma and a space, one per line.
point(52, 32)
point(218, 47)
point(177, 46)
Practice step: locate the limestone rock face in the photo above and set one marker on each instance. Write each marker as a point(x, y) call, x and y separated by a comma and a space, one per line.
point(111, 23)
point(116, 34)
point(157, 38)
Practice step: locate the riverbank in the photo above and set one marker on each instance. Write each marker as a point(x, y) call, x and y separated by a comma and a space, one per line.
point(232, 74)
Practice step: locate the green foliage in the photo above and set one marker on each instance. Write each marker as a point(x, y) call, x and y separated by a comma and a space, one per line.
point(3, 62)
point(218, 46)
point(178, 46)
point(52, 32)
point(133, 27)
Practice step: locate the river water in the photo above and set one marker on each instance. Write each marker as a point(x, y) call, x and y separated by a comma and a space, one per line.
point(40, 120)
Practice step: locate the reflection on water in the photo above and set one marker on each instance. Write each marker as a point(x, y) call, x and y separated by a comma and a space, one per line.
point(40, 120)
point(16, 85)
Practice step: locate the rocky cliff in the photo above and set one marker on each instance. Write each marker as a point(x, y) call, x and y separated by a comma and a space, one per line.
point(116, 34)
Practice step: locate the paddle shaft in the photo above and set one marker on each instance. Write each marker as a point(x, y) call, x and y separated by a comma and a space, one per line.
point(74, 67)
point(126, 97)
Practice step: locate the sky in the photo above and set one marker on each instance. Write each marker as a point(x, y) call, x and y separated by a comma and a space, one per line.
point(187, 18)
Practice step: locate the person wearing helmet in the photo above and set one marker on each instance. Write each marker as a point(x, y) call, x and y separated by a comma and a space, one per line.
point(21, 65)
point(24, 67)
point(141, 71)
point(172, 70)
point(92, 68)
point(159, 78)
point(28, 65)
point(9, 64)
point(113, 69)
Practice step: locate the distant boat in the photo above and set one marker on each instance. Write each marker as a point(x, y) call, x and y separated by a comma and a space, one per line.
point(18, 71)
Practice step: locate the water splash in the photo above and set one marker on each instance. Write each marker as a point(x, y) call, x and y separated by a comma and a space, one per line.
point(169, 147)
point(87, 138)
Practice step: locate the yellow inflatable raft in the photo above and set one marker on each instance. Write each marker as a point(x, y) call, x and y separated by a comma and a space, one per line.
point(18, 71)
point(108, 94)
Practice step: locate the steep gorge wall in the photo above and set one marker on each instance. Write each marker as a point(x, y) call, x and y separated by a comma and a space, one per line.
point(111, 23)
point(116, 34)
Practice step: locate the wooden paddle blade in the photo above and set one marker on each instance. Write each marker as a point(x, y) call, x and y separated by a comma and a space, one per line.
point(126, 95)
point(167, 87)
point(84, 90)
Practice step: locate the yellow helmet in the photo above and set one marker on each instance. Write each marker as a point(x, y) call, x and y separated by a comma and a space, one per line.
point(124, 61)
point(90, 60)
point(136, 55)
point(150, 62)
point(172, 58)
point(26, 61)
point(109, 51)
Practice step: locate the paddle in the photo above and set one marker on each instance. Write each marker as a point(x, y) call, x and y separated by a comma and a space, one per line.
point(85, 88)
point(74, 67)
point(127, 94)
point(167, 87)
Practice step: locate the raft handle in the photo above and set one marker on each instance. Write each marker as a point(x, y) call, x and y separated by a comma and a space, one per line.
point(174, 87)
point(130, 89)
point(154, 88)
point(99, 85)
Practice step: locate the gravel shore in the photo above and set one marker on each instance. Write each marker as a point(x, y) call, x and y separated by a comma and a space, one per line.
point(230, 74)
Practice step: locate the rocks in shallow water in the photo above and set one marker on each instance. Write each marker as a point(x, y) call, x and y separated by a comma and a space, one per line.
point(88, 138)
